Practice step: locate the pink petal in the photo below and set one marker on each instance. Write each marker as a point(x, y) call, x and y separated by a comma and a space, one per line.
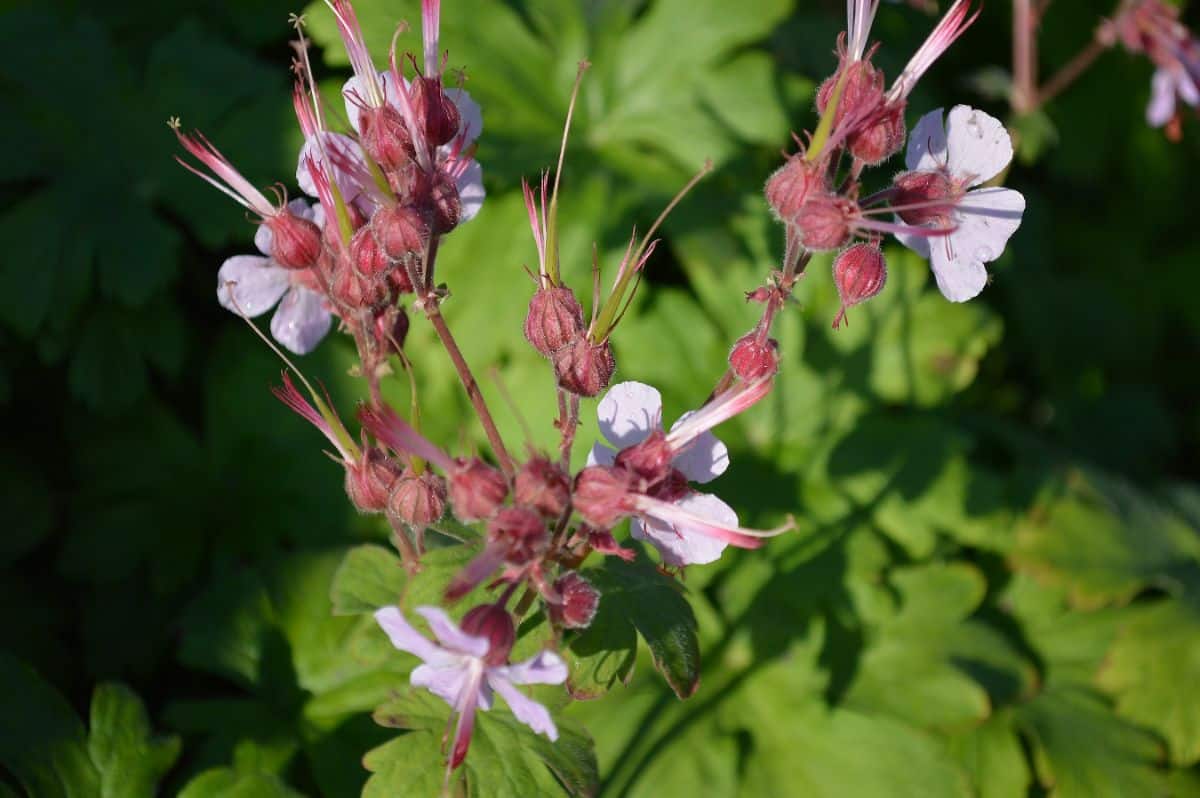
point(251, 284)
point(405, 637)
point(927, 143)
point(301, 321)
point(978, 145)
point(545, 667)
point(526, 710)
point(1162, 98)
point(986, 219)
point(451, 636)
point(629, 412)
point(445, 681)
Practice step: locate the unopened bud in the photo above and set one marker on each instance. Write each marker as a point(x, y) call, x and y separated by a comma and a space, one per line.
point(544, 486)
point(787, 190)
point(754, 356)
point(400, 231)
point(476, 490)
point(862, 91)
point(418, 499)
point(601, 495)
point(435, 110)
point(933, 191)
point(520, 531)
point(367, 255)
point(555, 319)
point(584, 368)
point(880, 138)
point(824, 221)
point(369, 482)
point(351, 288)
point(385, 137)
point(295, 241)
point(445, 204)
point(579, 602)
point(859, 272)
point(493, 623)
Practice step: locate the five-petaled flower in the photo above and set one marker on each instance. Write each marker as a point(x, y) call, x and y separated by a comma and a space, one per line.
point(469, 662)
point(944, 161)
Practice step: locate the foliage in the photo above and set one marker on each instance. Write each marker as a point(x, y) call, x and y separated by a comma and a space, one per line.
point(995, 586)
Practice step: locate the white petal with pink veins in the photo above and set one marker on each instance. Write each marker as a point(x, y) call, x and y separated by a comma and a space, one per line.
point(301, 321)
point(977, 144)
point(927, 143)
point(450, 636)
point(348, 162)
point(470, 190)
point(680, 544)
point(250, 284)
point(629, 412)
point(705, 459)
point(986, 219)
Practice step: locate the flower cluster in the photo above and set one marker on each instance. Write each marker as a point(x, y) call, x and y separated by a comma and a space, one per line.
point(400, 175)
point(1153, 28)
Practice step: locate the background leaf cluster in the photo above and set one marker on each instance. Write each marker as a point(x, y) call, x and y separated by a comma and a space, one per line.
point(995, 589)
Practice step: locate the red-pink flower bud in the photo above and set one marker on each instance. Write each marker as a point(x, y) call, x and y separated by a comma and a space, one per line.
point(754, 356)
point(788, 188)
point(400, 231)
point(434, 110)
point(493, 623)
point(369, 482)
point(555, 319)
point(879, 139)
point(445, 204)
point(544, 486)
point(579, 602)
point(859, 272)
point(934, 190)
point(649, 459)
point(520, 531)
point(385, 137)
point(368, 257)
point(295, 241)
point(601, 495)
point(824, 221)
point(350, 288)
point(584, 368)
point(418, 499)
point(862, 91)
point(476, 490)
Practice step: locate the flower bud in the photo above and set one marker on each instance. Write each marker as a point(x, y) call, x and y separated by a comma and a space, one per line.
point(584, 368)
point(824, 221)
point(555, 319)
point(862, 92)
point(859, 272)
point(295, 241)
point(437, 195)
point(880, 138)
point(476, 490)
point(754, 356)
point(367, 255)
point(369, 482)
point(493, 623)
point(650, 459)
point(928, 189)
point(579, 602)
point(350, 288)
point(600, 495)
point(418, 499)
point(520, 531)
point(400, 231)
point(433, 109)
point(787, 190)
point(544, 486)
point(385, 137)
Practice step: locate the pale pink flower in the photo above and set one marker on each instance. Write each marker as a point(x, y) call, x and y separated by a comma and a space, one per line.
point(1170, 82)
point(971, 148)
point(251, 285)
point(464, 669)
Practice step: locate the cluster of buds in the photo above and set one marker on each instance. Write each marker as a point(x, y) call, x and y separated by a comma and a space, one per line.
point(1152, 28)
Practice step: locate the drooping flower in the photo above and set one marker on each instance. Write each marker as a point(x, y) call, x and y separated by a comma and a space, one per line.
point(1153, 27)
point(251, 285)
point(468, 663)
point(944, 161)
point(648, 478)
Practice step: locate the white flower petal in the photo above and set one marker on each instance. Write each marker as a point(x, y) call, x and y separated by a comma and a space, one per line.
point(251, 284)
point(705, 459)
point(1162, 98)
point(545, 667)
point(450, 635)
point(340, 150)
point(978, 146)
point(469, 114)
point(524, 708)
point(680, 545)
point(917, 243)
point(301, 321)
point(986, 219)
point(927, 143)
point(470, 191)
point(601, 455)
point(629, 412)
point(406, 638)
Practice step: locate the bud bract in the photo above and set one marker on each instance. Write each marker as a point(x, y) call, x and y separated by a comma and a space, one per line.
point(544, 486)
point(418, 499)
point(824, 221)
point(385, 137)
point(650, 459)
point(555, 319)
point(476, 490)
point(859, 272)
point(787, 190)
point(369, 481)
point(878, 139)
point(935, 191)
point(295, 241)
point(600, 495)
point(521, 533)
point(400, 231)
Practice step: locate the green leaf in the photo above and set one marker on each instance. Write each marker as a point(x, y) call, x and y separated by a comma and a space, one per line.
point(31, 512)
point(635, 596)
point(991, 753)
point(131, 762)
point(368, 578)
point(506, 758)
point(46, 751)
point(1152, 669)
point(230, 783)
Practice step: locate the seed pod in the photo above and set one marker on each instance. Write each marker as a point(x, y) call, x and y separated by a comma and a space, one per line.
point(434, 111)
point(880, 138)
point(824, 221)
point(555, 319)
point(418, 499)
point(928, 189)
point(788, 188)
point(385, 137)
point(650, 459)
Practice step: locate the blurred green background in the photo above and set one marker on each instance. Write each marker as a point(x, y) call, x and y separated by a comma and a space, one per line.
point(995, 589)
